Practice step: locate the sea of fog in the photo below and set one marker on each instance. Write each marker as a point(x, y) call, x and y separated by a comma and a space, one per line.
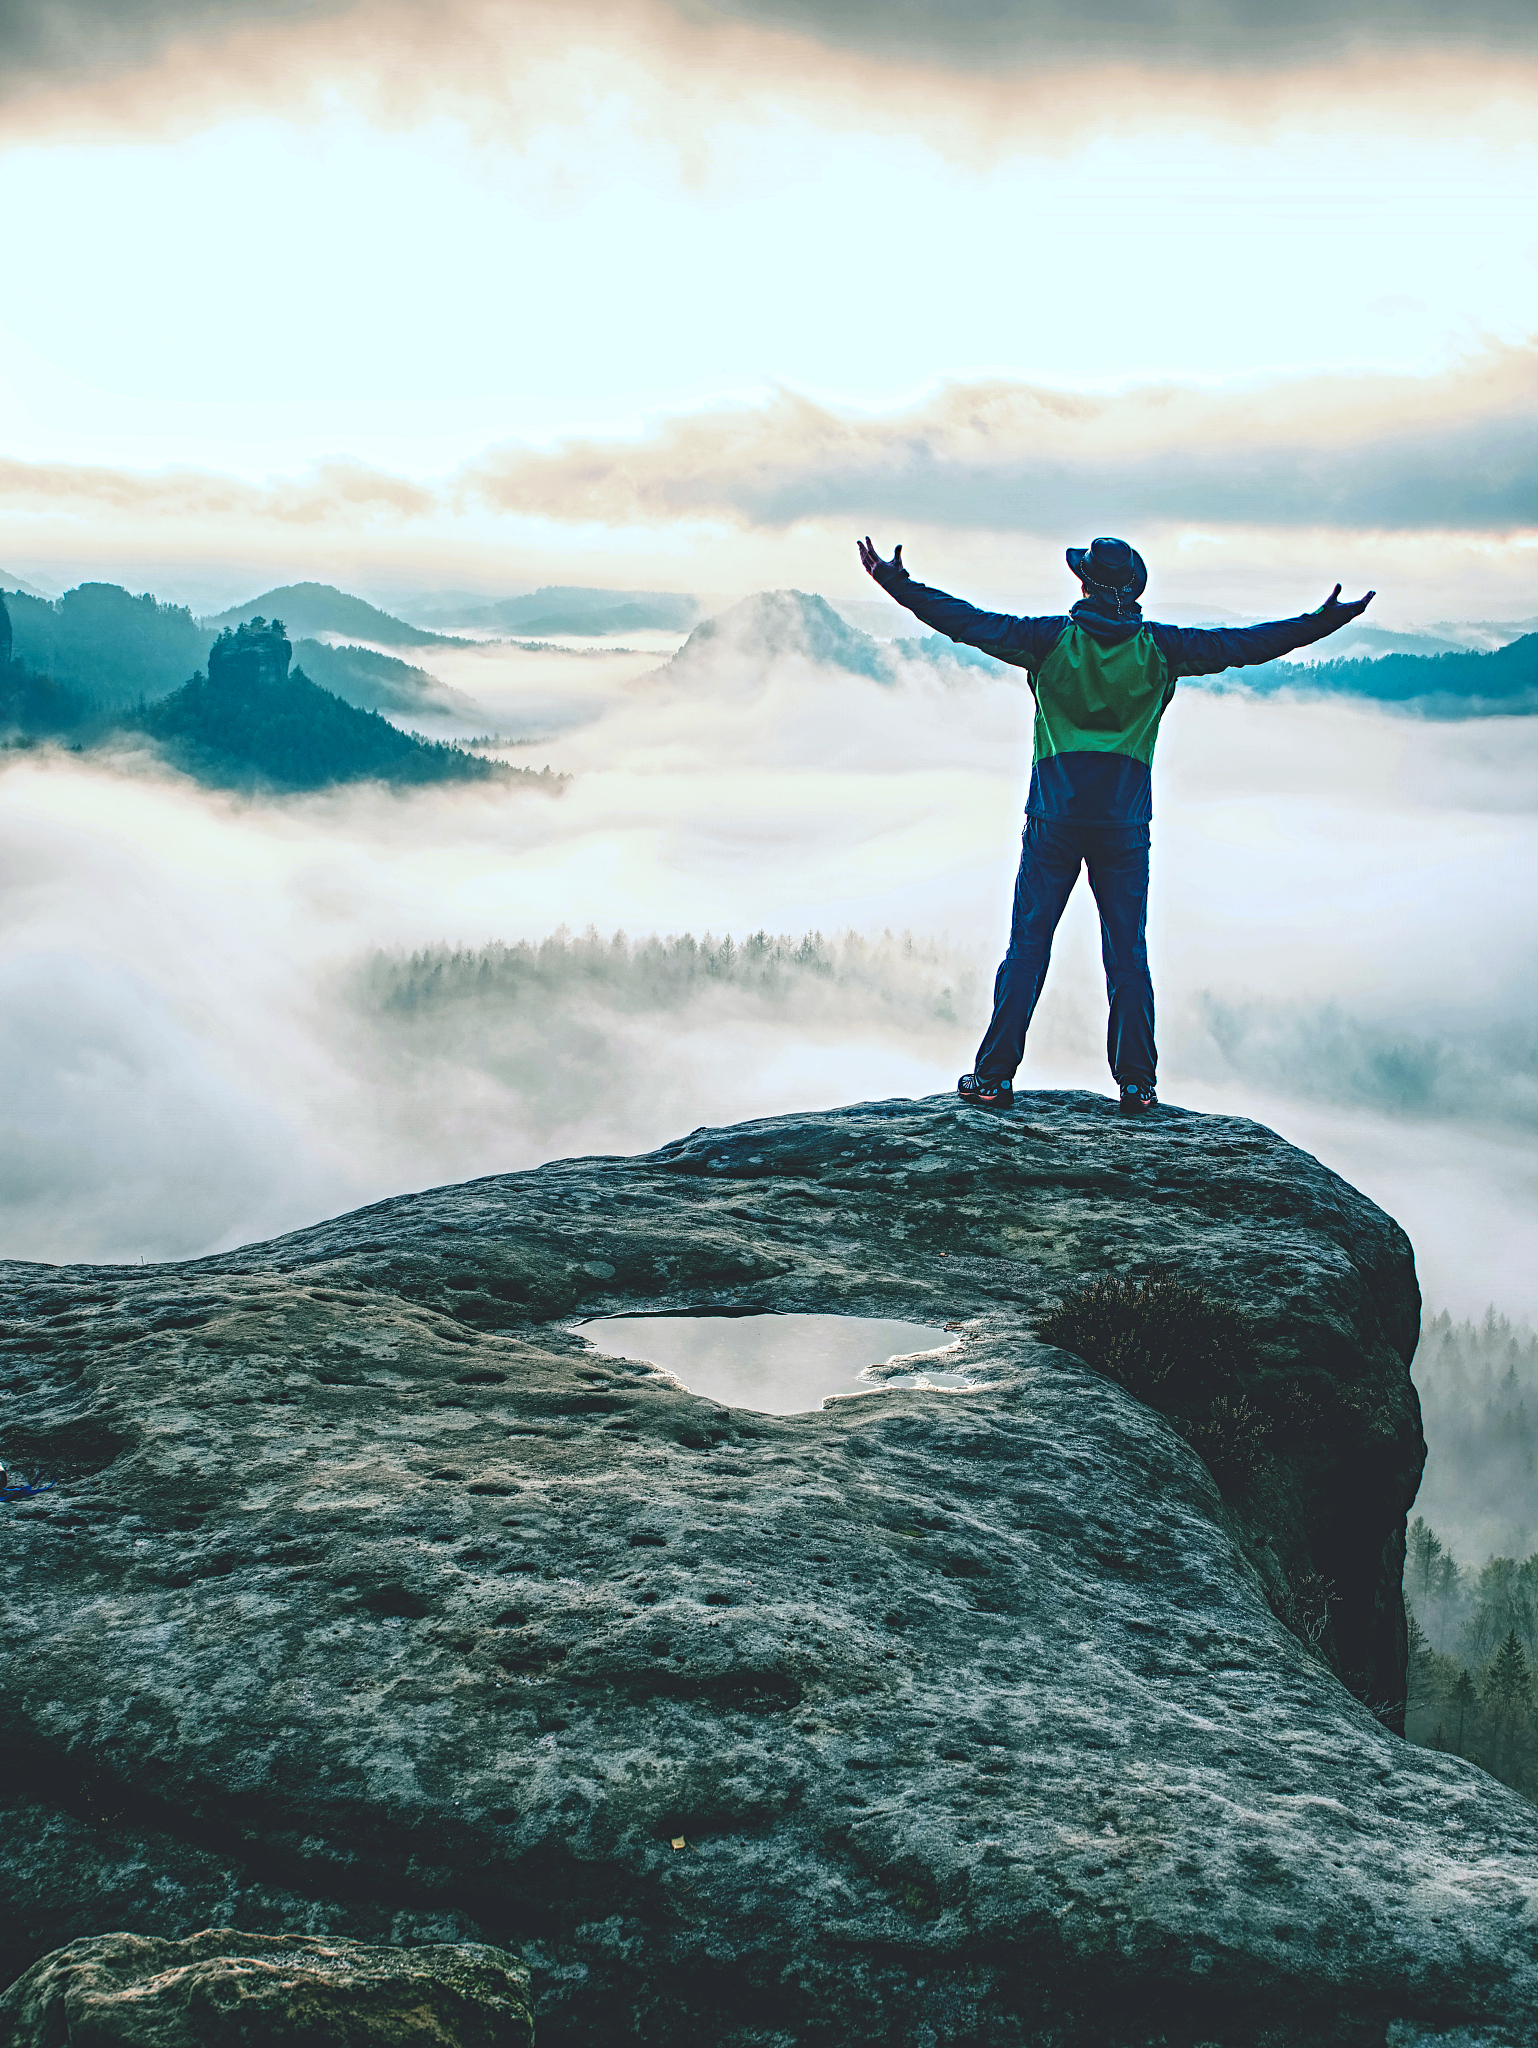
point(214, 1028)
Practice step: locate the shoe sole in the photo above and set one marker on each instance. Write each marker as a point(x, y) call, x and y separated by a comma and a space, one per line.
point(987, 1101)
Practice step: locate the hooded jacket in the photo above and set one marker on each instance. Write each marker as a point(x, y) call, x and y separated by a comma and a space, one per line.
point(1103, 678)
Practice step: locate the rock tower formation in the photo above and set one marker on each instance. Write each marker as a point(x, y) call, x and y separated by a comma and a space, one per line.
point(6, 642)
point(374, 1604)
point(254, 654)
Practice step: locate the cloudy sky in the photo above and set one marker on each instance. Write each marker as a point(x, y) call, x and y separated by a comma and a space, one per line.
point(684, 292)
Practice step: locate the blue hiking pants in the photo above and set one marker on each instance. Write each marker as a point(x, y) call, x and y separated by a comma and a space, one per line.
point(1050, 858)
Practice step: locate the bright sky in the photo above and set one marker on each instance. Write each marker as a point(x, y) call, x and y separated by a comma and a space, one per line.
point(404, 280)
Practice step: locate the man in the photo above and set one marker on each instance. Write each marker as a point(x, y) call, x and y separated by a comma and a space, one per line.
point(1102, 679)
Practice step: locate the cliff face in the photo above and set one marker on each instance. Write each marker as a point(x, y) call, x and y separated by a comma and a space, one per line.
point(376, 1605)
point(250, 657)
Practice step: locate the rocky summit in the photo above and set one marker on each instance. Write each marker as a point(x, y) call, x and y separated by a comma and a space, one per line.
point(372, 1604)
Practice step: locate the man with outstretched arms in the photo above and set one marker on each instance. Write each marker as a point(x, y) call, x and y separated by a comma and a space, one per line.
point(1103, 678)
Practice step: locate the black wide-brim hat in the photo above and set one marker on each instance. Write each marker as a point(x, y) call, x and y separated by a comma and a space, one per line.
point(1112, 564)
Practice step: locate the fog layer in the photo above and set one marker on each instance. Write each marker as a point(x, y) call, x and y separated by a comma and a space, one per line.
point(226, 1018)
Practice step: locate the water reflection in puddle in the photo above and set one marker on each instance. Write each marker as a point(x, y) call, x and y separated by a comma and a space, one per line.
point(782, 1365)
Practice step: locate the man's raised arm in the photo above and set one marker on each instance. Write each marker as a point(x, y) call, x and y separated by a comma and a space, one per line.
point(1205, 651)
point(1022, 642)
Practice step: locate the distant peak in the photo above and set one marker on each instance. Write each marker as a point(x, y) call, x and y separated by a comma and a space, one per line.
point(774, 623)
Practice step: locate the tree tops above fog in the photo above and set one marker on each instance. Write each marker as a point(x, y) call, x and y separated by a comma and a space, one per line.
point(250, 723)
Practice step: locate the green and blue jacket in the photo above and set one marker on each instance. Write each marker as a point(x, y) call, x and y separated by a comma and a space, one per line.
point(1101, 685)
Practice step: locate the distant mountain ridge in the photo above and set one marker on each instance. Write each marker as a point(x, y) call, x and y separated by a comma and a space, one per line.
point(311, 609)
point(1502, 682)
point(100, 649)
point(576, 610)
point(10, 581)
point(776, 623)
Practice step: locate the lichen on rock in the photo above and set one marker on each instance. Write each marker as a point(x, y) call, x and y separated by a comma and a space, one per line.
point(224, 1989)
point(375, 1604)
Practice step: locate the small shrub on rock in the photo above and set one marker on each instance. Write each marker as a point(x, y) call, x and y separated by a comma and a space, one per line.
point(1161, 1339)
point(1176, 1349)
point(1305, 1607)
point(1231, 1439)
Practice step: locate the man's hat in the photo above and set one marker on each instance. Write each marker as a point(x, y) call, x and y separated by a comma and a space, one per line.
point(1111, 564)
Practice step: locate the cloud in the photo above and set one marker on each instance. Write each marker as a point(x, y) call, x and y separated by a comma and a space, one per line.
point(1249, 34)
point(230, 1017)
point(85, 37)
point(1450, 452)
point(1471, 1070)
point(334, 491)
point(977, 76)
point(1422, 484)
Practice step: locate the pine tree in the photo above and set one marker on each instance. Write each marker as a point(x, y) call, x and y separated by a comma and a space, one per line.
point(1508, 1698)
point(1447, 1578)
point(1463, 1697)
point(1425, 1549)
point(1510, 1683)
point(1415, 1637)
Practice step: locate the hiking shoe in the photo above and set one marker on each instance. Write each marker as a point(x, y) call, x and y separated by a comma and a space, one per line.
point(1137, 1096)
point(984, 1092)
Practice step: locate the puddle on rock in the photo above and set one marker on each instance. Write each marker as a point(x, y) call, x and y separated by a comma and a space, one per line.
point(782, 1365)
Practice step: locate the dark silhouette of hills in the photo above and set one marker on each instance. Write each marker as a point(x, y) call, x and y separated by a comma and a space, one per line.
point(251, 723)
point(106, 648)
point(315, 608)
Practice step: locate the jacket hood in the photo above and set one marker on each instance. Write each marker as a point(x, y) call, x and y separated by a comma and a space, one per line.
point(1103, 623)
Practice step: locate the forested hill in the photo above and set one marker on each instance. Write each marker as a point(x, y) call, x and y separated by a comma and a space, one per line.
point(103, 647)
point(315, 608)
point(289, 734)
point(99, 650)
point(1447, 685)
point(377, 682)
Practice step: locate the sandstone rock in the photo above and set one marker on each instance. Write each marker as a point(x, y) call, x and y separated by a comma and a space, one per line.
point(375, 1604)
point(224, 1989)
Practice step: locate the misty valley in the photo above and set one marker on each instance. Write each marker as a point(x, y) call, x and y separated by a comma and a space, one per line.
point(398, 996)
point(101, 669)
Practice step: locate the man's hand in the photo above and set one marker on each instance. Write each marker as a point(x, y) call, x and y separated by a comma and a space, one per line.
point(1331, 604)
point(874, 567)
